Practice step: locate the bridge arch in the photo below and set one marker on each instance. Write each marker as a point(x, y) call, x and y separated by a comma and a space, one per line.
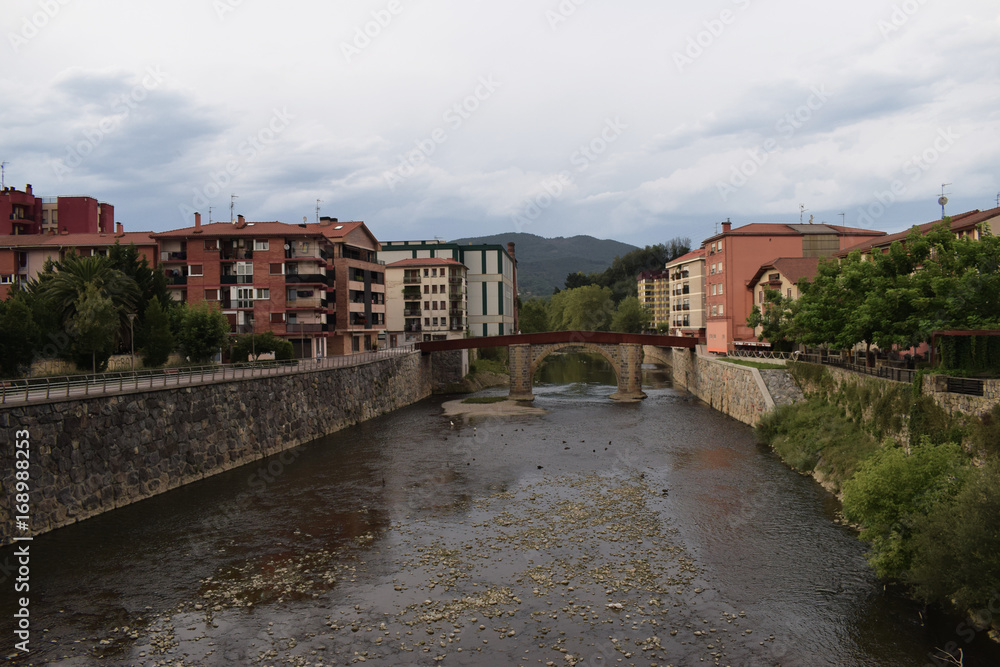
point(540, 352)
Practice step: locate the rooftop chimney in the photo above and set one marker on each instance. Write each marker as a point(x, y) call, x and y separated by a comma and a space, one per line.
point(27, 189)
point(119, 228)
point(726, 226)
point(241, 222)
point(197, 223)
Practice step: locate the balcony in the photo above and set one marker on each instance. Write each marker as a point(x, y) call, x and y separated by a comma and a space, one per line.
point(411, 280)
point(167, 256)
point(409, 312)
point(294, 327)
point(177, 280)
point(309, 278)
point(230, 255)
point(456, 280)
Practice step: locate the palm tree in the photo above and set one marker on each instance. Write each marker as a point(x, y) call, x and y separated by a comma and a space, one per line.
point(64, 284)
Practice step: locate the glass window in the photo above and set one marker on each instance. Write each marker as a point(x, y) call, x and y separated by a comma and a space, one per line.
point(264, 293)
point(260, 244)
point(195, 270)
point(277, 269)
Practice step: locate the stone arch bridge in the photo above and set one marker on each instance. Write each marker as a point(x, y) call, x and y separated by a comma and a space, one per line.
point(526, 351)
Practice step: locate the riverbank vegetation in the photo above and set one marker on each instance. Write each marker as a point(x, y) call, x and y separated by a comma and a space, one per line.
point(922, 486)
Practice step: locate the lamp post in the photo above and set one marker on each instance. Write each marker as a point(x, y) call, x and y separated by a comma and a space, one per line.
point(131, 338)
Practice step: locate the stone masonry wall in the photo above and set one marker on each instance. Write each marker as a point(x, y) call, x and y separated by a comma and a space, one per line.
point(737, 391)
point(936, 386)
point(91, 456)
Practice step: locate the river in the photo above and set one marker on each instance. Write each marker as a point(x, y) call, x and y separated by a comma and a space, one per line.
point(599, 533)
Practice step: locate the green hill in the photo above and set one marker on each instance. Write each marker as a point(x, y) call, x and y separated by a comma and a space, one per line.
point(543, 264)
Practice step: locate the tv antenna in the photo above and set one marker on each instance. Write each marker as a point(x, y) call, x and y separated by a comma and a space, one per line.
point(317, 210)
point(843, 219)
point(232, 207)
point(209, 215)
point(802, 210)
point(4, 164)
point(942, 199)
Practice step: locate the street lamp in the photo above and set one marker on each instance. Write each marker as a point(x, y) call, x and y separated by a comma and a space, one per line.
point(131, 338)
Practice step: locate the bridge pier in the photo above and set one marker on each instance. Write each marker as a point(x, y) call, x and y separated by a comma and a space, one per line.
point(519, 362)
point(629, 373)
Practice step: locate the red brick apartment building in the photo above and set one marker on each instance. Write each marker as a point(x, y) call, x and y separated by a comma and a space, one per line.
point(36, 229)
point(318, 285)
point(734, 256)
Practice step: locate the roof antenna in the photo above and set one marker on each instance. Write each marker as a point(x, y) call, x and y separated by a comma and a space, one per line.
point(802, 209)
point(5, 163)
point(317, 210)
point(232, 207)
point(209, 215)
point(843, 219)
point(942, 199)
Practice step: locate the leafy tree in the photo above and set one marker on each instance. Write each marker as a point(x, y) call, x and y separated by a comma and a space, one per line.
point(620, 276)
point(581, 309)
point(957, 545)
point(19, 334)
point(203, 331)
point(631, 316)
point(776, 319)
point(157, 336)
point(92, 327)
point(533, 316)
point(152, 284)
point(892, 491)
point(254, 345)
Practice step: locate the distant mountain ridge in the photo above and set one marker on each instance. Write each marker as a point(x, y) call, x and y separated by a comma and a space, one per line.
point(543, 264)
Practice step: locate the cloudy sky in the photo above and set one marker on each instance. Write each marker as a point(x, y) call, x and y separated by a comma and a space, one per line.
point(636, 120)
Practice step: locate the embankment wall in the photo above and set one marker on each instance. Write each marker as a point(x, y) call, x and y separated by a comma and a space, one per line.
point(90, 456)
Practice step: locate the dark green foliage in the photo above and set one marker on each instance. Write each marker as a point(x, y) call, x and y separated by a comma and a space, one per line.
point(586, 308)
point(956, 545)
point(91, 327)
point(971, 354)
point(621, 276)
point(893, 491)
point(203, 331)
point(250, 347)
point(158, 338)
point(814, 376)
point(930, 421)
point(986, 433)
point(19, 335)
point(533, 316)
point(776, 318)
point(630, 316)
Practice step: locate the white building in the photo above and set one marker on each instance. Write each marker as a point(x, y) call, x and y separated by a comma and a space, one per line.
point(426, 299)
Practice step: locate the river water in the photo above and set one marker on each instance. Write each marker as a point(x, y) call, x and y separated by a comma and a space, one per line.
point(599, 533)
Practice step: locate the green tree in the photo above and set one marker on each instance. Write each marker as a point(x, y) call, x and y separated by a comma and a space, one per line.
point(19, 334)
point(581, 309)
point(92, 327)
point(631, 316)
point(533, 317)
point(620, 277)
point(151, 283)
point(776, 319)
point(157, 337)
point(203, 332)
point(892, 490)
point(250, 347)
point(957, 545)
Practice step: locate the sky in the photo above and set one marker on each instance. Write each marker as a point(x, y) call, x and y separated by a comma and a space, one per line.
point(639, 121)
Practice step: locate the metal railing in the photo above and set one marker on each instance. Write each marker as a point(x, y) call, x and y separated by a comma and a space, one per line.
point(34, 390)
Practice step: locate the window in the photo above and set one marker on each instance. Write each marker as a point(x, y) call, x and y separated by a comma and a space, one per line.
point(434, 289)
point(715, 310)
point(720, 288)
point(434, 273)
point(712, 270)
point(760, 297)
point(789, 292)
point(211, 295)
point(7, 279)
point(434, 305)
point(277, 318)
point(277, 269)
point(427, 321)
point(196, 270)
point(427, 289)
point(714, 289)
point(211, 244)
point(720, 246)
point(260, 244)
point(773, 277)
point(427, 305)
point(435, 320)
point(722, 309)
point(720, 267)
point(443, 306)
point(427, 272)
point(264, 293)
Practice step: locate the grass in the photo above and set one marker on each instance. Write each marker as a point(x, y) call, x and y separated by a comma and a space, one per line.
point(485, 399)
point(817, 436)
point(755, 364)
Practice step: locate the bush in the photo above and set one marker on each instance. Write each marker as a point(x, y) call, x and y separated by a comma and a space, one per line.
point(893, 490)
point(262, 343)
point(957, 545)
point(816, 435)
